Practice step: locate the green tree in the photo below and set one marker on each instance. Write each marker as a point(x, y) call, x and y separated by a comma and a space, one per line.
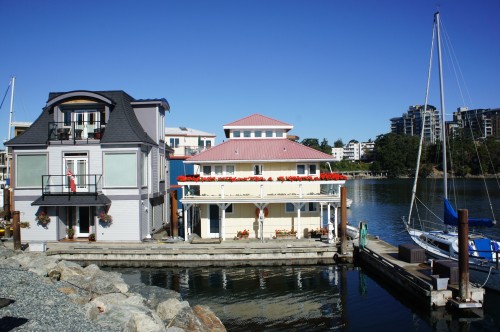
point(338, 143)
point(396, 154)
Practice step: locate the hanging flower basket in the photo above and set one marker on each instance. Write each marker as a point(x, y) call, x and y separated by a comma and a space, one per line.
point(104, 217)
point(42, 218)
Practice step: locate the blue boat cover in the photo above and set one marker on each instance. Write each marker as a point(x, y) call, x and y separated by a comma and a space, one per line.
point(451, 218)
point(483, 246)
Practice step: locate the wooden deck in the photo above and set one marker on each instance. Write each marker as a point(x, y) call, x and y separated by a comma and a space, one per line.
point(414, 278)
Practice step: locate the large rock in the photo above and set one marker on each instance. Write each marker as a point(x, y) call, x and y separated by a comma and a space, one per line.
point(91, 279)
point(208, 318)
point(168, 309)
point(42, 265)
point(154, 295)
point(129, 318)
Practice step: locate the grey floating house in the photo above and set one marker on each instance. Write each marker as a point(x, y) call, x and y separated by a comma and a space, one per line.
point(94, 161)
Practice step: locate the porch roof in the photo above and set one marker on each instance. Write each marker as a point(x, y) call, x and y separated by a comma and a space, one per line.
point(72, 200)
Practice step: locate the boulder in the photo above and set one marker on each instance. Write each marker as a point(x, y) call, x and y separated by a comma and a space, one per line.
point(168, 309)
point(129, 318)
point(154, 295)
point(208, 318)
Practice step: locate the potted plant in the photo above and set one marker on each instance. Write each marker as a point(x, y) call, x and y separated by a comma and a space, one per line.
point(243, 234)
point(71, 232)
point(92, 237)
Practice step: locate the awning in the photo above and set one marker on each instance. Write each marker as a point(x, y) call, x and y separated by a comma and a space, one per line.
point(72, 200)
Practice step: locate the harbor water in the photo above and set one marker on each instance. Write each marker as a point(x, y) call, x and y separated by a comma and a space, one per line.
point(329, 297)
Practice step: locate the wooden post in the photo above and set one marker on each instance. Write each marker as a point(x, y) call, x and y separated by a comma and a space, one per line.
point(175, 216)
point(343, 220)
point(6, 204)
point(463, 253)
point(17, 231)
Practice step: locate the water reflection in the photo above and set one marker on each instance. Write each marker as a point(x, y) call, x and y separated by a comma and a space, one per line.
point(264, 298)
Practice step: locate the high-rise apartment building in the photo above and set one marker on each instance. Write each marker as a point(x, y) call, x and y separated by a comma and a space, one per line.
point(411, 123)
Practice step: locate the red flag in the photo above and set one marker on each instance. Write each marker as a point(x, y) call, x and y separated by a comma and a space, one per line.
point(72, 184)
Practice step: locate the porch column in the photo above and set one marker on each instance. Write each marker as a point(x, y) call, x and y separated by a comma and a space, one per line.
point(222, 225)
point(186, 218)
point(336, 221)
point(261, 217)
point(299, 225)
point(321, 215)
point(185, 221)
point(330, 225)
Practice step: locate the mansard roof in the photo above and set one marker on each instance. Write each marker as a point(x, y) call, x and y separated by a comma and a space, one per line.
point(259, 150)
point(122, 126)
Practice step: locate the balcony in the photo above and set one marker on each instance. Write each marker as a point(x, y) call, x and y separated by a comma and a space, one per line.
point(89, 184)
point(75, 131)
point(184, 150)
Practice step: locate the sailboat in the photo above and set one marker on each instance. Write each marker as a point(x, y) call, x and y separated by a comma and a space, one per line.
point(442, 242)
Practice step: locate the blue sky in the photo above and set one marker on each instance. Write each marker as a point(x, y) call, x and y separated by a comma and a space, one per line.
point(333, 69)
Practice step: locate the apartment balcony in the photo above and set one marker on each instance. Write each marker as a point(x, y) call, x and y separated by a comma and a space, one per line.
point(82, 131)
point(89, 184)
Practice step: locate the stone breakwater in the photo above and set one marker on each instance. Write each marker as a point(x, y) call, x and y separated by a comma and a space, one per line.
point(45, 293)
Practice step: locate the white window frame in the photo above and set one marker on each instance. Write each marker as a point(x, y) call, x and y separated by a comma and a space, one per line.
point(203, 170)
point(226, 171)
point(259, 167)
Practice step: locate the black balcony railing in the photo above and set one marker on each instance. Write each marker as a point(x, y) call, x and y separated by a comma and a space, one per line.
point(89, 184)
point(75, 131)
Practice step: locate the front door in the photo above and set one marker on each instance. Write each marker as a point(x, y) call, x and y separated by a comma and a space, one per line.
point(214, 221)
point(83, 221)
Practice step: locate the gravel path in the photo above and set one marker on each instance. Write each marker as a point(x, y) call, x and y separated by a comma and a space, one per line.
point(38, 305)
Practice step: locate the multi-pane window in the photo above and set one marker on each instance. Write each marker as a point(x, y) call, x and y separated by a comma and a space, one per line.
point(236, 133)
point(218, 170)
point(269, 133)
point(258, 133)
point(246, 133)
point(229, 169)
point(207, 170)
point(303, 169)
point(174, 142)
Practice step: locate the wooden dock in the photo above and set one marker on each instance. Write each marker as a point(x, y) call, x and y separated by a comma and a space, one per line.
point(414, 278)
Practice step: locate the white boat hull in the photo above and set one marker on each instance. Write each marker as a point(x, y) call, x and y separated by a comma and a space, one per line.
point(481, 272)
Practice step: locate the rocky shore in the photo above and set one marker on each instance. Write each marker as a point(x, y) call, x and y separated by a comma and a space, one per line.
point(42, 293)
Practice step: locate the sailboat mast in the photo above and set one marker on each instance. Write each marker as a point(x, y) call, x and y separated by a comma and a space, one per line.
point(13, 81)
point(443, 113)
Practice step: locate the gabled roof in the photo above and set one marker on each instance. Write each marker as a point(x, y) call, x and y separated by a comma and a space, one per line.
point(122, 126)
point(248, 150)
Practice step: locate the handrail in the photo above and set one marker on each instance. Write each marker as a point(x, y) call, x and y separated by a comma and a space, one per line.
point(75, 131)
point(90, 184)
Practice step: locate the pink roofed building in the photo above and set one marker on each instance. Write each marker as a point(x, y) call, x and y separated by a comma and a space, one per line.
point(259, 182)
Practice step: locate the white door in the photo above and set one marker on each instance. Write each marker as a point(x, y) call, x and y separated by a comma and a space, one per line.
point(78, 166)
